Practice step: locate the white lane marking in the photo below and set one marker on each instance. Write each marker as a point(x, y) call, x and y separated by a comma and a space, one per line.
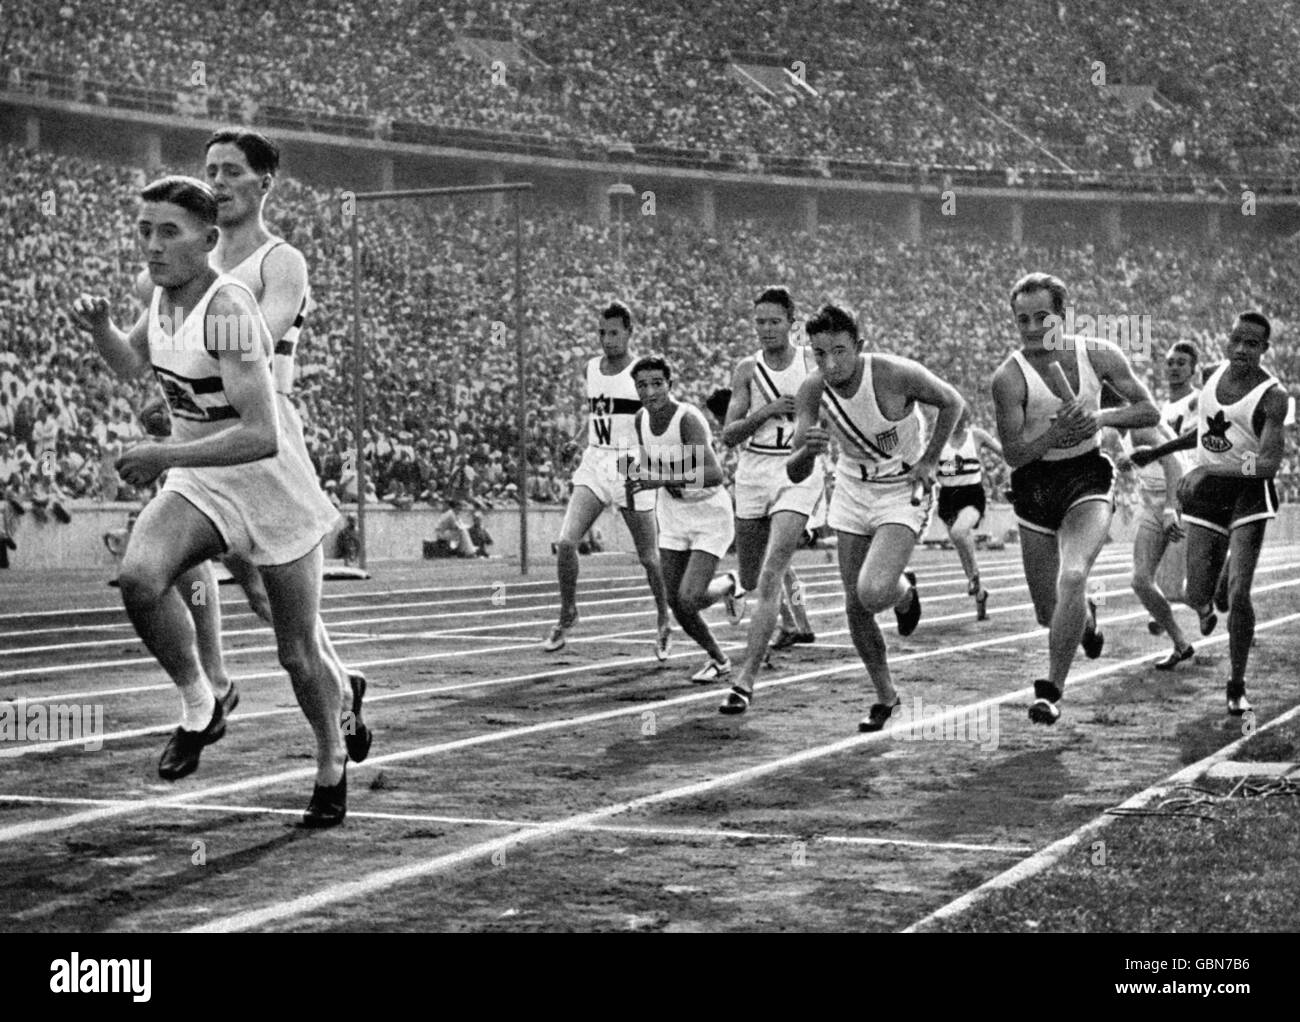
point(356, 890)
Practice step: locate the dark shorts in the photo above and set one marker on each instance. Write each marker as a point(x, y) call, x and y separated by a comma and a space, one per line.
point(953, 498)
point(1221, 503)
point(1043, 491)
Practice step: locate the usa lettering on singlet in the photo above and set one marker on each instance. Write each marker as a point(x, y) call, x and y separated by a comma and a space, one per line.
point(612, 404)
point(249, 273)
point(775, 435)
point(960, 466)
point(188, 372)
point(1041, 403)
point(1227, 434)
point(873, 448)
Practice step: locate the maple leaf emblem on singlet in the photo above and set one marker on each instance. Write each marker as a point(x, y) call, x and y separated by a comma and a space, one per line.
point(1216, 433)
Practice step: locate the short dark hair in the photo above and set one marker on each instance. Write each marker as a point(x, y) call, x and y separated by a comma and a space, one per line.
point(719, 401)
point(649, 363)
point(262, 154)
point(832, 319)
point(1259, 319)
point(191, 194)
point(617, 310)
point(777, 295)
point(1188, 348)
point(1041, 282)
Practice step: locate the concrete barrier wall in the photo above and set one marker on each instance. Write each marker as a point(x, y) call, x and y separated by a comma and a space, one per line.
point(399, 535)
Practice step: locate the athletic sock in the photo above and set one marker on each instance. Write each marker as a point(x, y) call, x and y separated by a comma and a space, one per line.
point(197, 704)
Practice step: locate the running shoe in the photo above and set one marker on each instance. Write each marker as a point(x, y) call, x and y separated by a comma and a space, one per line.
point(712, 671)
point(328, 806)
point(356, 736)
point(908, 619)
point(181, 756)
point(735, 601)
point(982, 605)
point(1238, 704)
point(1043, 710)
point(556, 639)
point(663, 641)
point(1208, 620)
point(1093, 638)
point(786, 638)
point(737, 701)
point(1172, 660)
point(879, 715)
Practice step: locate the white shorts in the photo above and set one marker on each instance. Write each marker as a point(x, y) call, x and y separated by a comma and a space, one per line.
point(696, 524)
point(862, 508)
point(598, 472)
point(267, 512)
point(763, 488)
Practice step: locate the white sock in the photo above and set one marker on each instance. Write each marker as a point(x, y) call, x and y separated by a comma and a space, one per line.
point(197, 704)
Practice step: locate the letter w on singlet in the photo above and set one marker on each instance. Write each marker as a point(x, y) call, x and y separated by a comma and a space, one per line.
point(604, 429)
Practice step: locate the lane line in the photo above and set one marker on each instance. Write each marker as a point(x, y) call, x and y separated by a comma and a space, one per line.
point(34, 828)
point(381, 880)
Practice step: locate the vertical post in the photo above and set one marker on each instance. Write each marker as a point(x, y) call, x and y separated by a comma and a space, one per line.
point(358, 387)
point(522, 375)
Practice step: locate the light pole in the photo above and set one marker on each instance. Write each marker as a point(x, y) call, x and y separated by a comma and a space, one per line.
point(620, 191)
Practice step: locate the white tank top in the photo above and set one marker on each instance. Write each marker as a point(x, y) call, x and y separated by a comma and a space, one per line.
point(773, 437)
point(612, 405)
point(1150, 478)
point(1225, 434)
point(667, 453)
point(1180, 416)
point(960, 466)
point(190, 374)
point(873, 448)
point(249, 273)
point(1041, 403)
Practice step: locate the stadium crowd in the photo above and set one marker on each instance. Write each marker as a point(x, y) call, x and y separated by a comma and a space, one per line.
point(437, 287)
point(889, 81)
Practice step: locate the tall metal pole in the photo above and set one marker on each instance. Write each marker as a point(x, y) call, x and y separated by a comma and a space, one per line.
point(358, 390)
point(521, 403)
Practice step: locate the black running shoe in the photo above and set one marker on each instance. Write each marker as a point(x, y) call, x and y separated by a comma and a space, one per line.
point(786, 638)
point(1238, 705)
point(737, 701)
point(1172, 660)
point(879, 715)
point(982, 605)
point(328, 806)
point(908, 619)
point(1093, 639)
point(1209, 620)
point(356, 736)
point(230, 700)
point(181, 756)
point(1044, 710)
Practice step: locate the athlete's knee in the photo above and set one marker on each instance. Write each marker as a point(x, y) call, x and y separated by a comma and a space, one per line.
point(1072, 581)
point(1239, 595)
point(1142, 581)
point(875, 597)
point(769, 584)
point(300, 655)
point(142, 583)
point(649, 560)
point(960, 533)
point(566, 547)
point(692, 601)
point(1043, 616)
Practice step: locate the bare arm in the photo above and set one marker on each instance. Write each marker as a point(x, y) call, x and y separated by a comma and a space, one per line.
point(127, 354)
point(1141, 409)
point(742, 423)
point(285, 277)
point(810, 437)
point(705, 470)
point(917, 383)
point(1009, 406)
point(984, 439)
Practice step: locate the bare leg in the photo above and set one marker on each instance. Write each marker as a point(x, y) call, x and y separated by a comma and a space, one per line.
point(584, 508)
point(783, 540)
point(170, 536)
point(689, 573)
point(645, 534)
point(294, 591)
point(1148, 548)
point(1244, 544)
point(1083, 534)
point(962, 534)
